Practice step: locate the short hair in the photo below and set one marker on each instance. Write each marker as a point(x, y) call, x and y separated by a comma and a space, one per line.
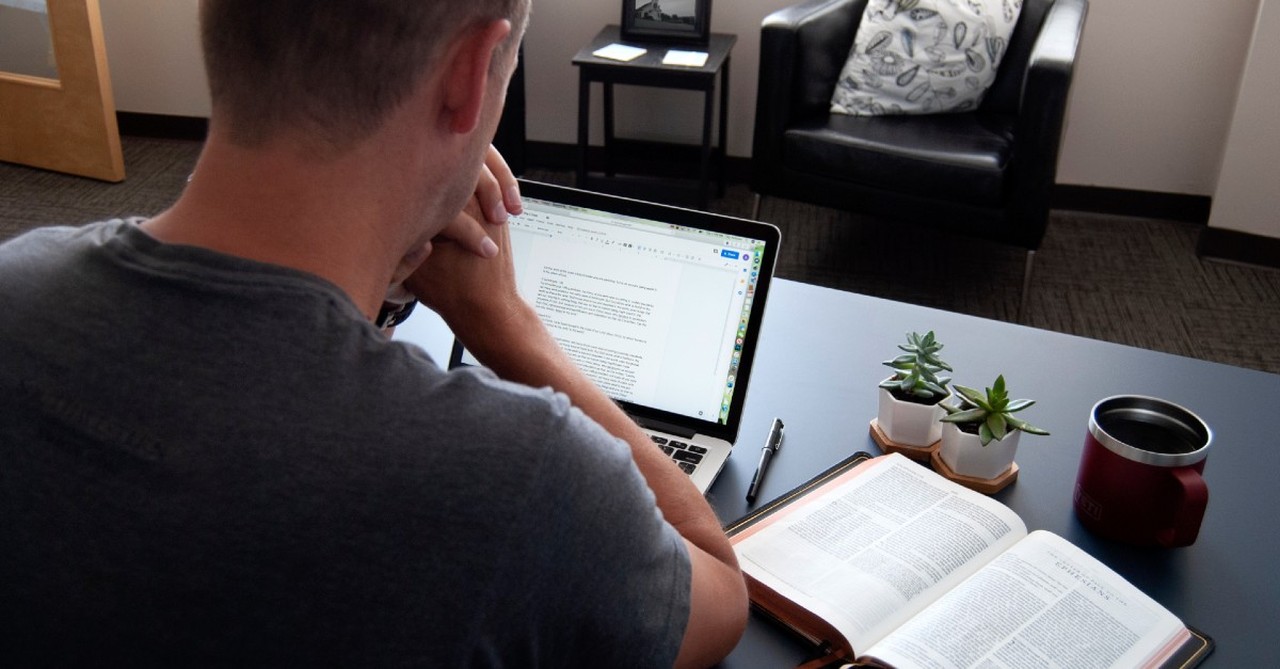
point(333, 68)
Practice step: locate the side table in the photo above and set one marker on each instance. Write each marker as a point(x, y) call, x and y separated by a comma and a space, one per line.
point(648, 70)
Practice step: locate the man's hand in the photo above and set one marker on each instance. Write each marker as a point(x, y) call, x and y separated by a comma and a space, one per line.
point(475, 295)
point(459, 277)
point(496, 198)
point(497, 191)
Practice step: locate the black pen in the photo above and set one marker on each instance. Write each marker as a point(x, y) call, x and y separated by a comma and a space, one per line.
point(771, 446)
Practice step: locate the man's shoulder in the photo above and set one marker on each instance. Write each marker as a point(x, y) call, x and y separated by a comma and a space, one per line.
point(473, 425)
point(472, 406)
point(54, 239)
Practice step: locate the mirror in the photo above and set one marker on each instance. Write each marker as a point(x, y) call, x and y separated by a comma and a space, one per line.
point(26, 43)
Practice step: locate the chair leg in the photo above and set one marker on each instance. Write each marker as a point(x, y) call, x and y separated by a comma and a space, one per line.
point(755, 207)
point(1021, 316)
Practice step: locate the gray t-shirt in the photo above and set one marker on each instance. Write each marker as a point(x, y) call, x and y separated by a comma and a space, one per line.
point(208, 460)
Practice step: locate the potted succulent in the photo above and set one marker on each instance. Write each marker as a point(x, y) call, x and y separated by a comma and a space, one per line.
point(980, 437)
point(911, 399)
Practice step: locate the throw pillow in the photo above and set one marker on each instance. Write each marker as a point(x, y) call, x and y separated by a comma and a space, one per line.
point(924, 56)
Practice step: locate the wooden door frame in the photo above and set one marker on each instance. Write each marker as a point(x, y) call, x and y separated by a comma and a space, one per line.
point(67, 124)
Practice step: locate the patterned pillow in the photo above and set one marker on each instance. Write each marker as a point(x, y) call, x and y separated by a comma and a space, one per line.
point(924, 56)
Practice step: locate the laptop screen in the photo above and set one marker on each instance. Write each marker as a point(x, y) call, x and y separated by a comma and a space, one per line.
point(659, 306)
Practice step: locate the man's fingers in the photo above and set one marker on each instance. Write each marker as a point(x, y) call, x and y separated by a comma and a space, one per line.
point(489, 195)
point(496, 198)
point(501, 172)
point(466, 230)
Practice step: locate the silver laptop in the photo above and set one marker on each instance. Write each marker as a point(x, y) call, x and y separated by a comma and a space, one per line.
point(660, 306)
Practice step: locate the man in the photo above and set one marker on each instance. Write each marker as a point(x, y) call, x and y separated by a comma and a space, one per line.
point(211, 454)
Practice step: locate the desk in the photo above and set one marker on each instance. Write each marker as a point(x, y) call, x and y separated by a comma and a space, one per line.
point(817, 368)
point(648, 70)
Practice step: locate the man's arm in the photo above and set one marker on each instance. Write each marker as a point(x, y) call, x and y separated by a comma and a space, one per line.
point(478, 299)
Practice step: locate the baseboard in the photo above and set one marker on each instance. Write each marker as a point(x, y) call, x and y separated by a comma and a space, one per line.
point(1241, 247)
point(666, 158)
point(162, 126)
point(1125, 202)
point(641, 156)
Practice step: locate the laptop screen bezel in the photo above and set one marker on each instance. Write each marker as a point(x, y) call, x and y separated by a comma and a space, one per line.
point(765, 232)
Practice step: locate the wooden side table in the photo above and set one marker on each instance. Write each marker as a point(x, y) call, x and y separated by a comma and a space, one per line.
point(648, 70)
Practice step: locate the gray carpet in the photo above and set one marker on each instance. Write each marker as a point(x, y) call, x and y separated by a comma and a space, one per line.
point(1127, 280)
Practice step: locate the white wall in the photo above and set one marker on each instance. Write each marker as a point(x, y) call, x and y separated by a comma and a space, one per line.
point(1155, 86)
point(1152, 102)
point(1248, 193)
point(153, 50)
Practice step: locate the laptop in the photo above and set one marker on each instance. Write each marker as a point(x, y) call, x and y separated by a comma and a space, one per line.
point(660, 306)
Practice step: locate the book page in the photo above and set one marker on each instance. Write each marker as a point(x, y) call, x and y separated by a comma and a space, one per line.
point(876, 545)
point(1044, 603)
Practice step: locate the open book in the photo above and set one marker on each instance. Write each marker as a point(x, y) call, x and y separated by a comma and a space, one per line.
point(886, 562)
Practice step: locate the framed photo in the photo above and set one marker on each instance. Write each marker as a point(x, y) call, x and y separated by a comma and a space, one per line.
point(675, 21)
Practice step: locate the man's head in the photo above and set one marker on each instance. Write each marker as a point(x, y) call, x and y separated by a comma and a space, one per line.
point(330, 71)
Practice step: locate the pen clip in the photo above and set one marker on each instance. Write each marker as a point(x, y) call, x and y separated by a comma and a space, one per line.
point(774, 441)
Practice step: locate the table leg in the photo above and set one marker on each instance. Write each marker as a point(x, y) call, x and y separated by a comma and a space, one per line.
point(724, 122)
point(704, 174)
point(608, 128)
point(584, 109)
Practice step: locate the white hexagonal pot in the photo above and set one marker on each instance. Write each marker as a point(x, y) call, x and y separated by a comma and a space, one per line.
point(910, 423)
point(966, 456)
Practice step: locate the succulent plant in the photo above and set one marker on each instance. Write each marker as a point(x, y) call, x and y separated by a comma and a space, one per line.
point(916, 370)
point(990, 411)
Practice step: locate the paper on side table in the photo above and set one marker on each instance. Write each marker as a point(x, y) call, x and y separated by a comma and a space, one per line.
point(619, 52)
point(685, 58)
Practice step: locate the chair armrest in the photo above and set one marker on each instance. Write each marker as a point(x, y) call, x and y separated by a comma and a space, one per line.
point(802, 50)
point(1043, 103)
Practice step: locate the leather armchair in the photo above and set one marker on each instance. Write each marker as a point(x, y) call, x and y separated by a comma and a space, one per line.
point(987, 173)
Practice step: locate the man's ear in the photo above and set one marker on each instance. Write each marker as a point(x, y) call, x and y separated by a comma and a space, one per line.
point(466, 78)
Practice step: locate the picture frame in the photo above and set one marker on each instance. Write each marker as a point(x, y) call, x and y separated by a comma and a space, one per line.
point(668, 21)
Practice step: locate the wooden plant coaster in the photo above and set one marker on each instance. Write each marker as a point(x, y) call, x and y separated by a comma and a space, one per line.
point(918, 453)
point(985, 486)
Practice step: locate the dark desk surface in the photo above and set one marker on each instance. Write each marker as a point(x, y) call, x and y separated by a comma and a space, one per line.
point(817, 369)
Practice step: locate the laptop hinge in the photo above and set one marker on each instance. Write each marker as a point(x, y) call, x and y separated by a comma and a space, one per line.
point(659, 426)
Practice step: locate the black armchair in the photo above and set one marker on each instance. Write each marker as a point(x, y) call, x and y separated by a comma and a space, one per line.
point(987, 173)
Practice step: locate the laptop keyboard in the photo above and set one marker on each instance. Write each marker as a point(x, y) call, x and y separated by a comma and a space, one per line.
point(686, 455)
